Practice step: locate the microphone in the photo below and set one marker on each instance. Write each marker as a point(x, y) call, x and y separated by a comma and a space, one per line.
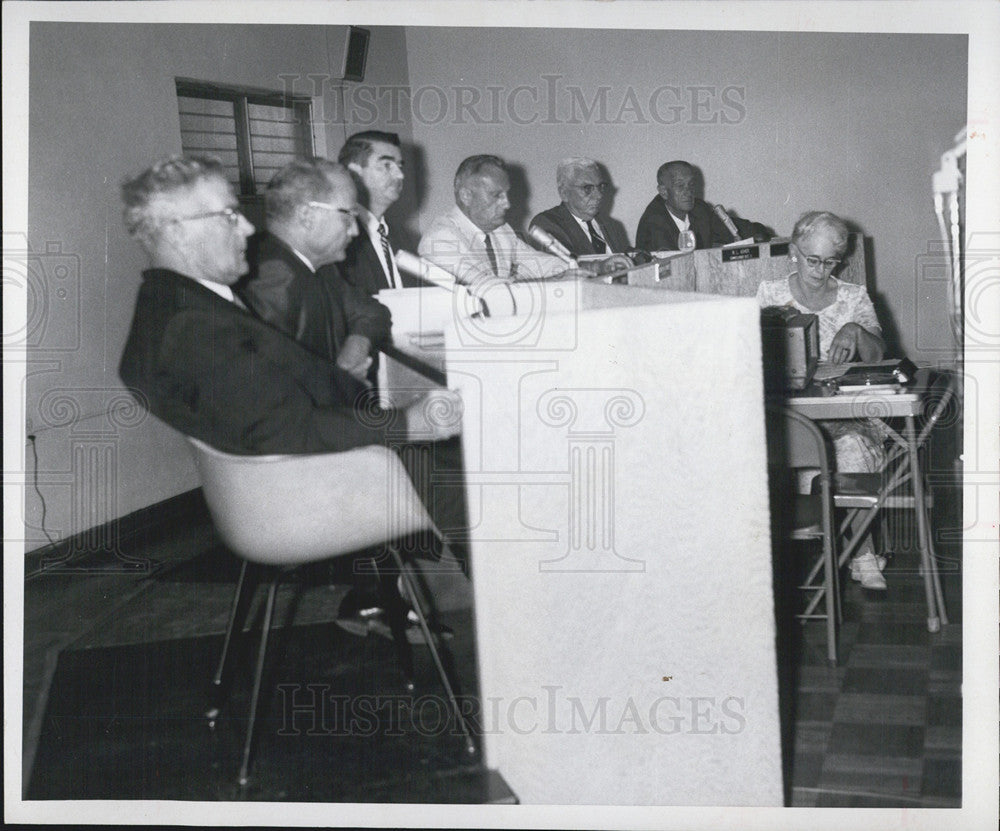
point(721, 213)
point(437, 276)
point(552, 245)
point(425, 270)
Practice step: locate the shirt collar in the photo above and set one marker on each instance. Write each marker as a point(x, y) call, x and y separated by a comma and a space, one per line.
point(682, 224)
point(294, 250)
point(583, 223)
point(224, 291)
point(303, 257)
point(469, 227)
point(370, 221)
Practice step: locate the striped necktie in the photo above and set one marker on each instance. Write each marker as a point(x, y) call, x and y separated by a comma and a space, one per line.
point(383, 233)
point(600, 246)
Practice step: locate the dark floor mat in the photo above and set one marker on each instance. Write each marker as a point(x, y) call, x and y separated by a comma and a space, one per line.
point(126, 722)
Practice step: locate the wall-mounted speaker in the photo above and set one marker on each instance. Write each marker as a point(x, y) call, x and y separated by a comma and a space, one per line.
point(356, 55)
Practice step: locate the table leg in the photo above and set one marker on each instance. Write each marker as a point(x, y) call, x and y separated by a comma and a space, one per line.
point(932, 587)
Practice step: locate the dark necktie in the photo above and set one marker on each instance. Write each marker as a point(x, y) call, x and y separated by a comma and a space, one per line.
point(383, 233)
point(600, 246)
point(491, 254)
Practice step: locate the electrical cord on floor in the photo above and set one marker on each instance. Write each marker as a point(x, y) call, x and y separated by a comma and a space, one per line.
point(38, 490)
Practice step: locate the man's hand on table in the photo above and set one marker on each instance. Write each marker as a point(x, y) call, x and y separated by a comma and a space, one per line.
point(355, 356)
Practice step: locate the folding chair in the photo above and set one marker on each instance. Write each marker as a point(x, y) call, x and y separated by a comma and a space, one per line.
point(794, 441)
point(896, 487)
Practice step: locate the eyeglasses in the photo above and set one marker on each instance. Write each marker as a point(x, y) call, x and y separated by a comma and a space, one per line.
point(327, 206)
point(815, 262)
point(231, 215)
point(590, 190)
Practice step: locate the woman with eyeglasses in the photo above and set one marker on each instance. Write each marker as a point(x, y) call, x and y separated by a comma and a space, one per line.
point(848, 331)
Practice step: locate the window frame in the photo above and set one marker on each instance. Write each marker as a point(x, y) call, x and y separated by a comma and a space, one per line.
point(301, 107)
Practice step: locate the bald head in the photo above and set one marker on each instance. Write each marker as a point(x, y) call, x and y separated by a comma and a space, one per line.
point(675, 184)
point(310, 206)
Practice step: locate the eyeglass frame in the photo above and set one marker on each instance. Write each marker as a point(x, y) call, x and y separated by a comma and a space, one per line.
point(588, 188)
point(231, 215)
point(351, 212)
point(811, 260)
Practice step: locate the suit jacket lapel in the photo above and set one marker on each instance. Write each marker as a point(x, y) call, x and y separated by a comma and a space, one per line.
point(372, 263)
point(581, 242)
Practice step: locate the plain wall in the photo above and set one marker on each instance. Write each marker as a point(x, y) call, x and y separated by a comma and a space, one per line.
point(102, 106)
point(778, 123)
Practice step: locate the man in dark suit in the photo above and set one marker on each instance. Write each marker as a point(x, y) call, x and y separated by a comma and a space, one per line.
point(375, 162)
point(577, 222)
point(207, 367)
point(294, 283)
point(675, 208)
point(202, 363)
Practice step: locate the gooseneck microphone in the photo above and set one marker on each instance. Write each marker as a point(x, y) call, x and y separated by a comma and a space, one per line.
point(501, 296)
point(425, 270)
point(727, 221)
point(552, 245)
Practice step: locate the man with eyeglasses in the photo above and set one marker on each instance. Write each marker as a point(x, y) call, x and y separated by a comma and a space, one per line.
point(199, 361)
point(577, 222)
point(293, 281)
point(375, 162)
point(676, 209)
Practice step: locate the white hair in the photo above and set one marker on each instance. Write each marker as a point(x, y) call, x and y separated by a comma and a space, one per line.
point(569, 167)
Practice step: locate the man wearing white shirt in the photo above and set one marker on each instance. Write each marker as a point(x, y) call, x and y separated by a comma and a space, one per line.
point(375, 162)
point(472, 241)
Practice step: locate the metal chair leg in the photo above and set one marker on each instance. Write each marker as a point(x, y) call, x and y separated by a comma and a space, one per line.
point(258, 674)
point(934, 614)
point(830, 584)
point(395, 610)
point(431, 640)
point(217, 694)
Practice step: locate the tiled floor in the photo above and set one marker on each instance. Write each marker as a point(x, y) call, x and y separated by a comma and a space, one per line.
point(882, 729)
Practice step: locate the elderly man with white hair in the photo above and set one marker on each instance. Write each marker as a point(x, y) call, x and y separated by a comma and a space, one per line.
point(577, 221)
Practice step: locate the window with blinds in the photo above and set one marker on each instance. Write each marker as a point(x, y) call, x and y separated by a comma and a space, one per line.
point(254, 133)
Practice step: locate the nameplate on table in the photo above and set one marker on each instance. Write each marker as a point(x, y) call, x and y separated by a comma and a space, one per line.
point(736, 255)
point(779, 249)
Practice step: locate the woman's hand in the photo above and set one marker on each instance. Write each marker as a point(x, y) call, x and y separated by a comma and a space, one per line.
point(853, 341)
point(844, 345)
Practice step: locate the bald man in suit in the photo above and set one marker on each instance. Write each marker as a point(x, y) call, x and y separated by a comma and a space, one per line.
point(675, 208)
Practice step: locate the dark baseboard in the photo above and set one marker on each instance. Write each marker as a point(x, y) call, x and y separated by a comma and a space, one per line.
point(110, 546)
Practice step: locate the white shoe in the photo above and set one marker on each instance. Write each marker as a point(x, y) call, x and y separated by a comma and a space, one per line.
point(867, 570)
point(880, 561)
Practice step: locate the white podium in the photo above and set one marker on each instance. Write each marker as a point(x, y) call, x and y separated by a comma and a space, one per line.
point(621, 562)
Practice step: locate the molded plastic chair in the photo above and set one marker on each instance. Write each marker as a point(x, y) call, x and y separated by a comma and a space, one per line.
point(794, 441)
point(284, 511)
